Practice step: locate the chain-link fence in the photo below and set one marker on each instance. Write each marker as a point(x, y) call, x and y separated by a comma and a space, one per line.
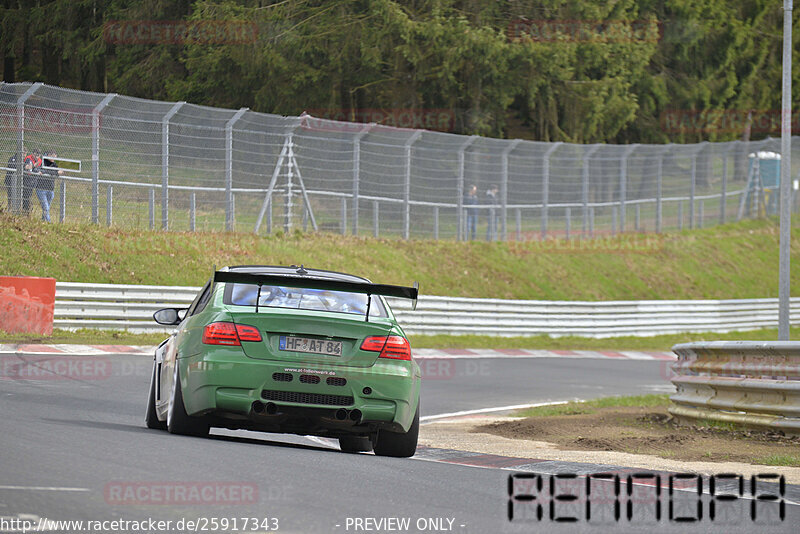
point(180, 166)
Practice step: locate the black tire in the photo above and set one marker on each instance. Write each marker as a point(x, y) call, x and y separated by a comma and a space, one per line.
point(355, 444)
point(398, 444)
point(178, 421)
point(151, 418)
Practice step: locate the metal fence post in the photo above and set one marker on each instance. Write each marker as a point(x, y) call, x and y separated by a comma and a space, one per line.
point(504, 192)
point(680, 215)
point(591, 222)
point(460, 188)
point(567, 217)
point(109, 205)
point(375, 220)
point(546, 186)
point(165, 164)
point(192, 212)
point(98, 109)
point(357, 172)
point(229, 222)
point(152, 206)
point(407, 185)
point(344, 216)
point(585, 186)
point(623, 184)
point(287, 208)
point(723, 198)
point(63, 202)
point(519, 224)
point(638, 216)
point(16, 187)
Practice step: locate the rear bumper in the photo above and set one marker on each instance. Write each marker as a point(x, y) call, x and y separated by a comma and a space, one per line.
point(225, 383)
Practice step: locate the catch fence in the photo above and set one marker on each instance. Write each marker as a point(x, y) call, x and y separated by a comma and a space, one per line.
point(185, 167)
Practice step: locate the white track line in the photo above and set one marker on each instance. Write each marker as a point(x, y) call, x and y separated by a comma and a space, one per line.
point(489, 410)
point(42, 488)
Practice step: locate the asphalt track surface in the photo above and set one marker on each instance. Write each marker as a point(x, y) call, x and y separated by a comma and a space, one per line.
point(74, 447)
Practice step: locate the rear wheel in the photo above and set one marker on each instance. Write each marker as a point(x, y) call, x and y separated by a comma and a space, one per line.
point(355, 444)
point(398, 444)
point(178, 421)
point(151, 418)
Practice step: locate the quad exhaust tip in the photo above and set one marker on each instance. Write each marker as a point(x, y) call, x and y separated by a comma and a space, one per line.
point(341, 414)
point(355, 415)
point(259, 408)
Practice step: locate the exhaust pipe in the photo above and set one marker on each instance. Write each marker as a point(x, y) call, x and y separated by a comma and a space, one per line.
point(341, 414)
point(258, 407)
point(355, 415)
point(271, 408)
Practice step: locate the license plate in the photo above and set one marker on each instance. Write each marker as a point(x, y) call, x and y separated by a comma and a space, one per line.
point(312, 346)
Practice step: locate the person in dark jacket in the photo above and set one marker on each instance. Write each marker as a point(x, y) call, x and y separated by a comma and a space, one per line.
point(32, 169)
point(46, 186)
point(471, 200)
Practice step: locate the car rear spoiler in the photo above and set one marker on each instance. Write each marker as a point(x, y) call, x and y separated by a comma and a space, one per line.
point(307, 282)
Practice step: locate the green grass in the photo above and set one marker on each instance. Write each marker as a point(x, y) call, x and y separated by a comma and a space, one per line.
point(731, 261)
point(586, 407)
point(720, 425)
point(664, 342)
point(789, 460)
point(85, 336)
point(655, 343)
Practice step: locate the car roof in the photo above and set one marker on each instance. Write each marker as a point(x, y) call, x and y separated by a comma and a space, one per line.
point(294, 270)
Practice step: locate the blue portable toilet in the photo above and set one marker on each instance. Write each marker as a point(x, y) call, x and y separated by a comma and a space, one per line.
point(765, 170)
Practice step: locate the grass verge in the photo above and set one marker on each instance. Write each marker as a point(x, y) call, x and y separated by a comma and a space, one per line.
point(654, 343)
point(626, 267)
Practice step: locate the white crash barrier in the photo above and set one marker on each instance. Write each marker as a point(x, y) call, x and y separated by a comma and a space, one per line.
point(131, 307)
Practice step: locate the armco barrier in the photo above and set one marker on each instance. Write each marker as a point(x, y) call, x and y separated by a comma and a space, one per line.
point(746, 382)
point(80, 305)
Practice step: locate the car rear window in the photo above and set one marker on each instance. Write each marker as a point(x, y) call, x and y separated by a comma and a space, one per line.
point(303, 299)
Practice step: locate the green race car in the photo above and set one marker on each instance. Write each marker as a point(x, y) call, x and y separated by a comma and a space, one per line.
point(289, 350)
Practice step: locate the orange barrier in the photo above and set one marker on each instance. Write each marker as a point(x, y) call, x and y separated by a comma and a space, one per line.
point(26, 304)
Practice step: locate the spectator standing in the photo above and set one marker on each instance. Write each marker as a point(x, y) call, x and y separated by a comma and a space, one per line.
point(45, 188)
point(492, 202)
point(471, 201)
point(30, 178)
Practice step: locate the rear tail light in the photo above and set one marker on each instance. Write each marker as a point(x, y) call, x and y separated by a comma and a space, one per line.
point(229, 334)
point(248, 333)
point(394, 347)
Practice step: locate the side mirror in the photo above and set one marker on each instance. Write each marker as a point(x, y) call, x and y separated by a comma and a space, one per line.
point(170, 316)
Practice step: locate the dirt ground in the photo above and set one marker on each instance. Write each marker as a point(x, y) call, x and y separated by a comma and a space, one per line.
point(647, 430)
point(642, 438)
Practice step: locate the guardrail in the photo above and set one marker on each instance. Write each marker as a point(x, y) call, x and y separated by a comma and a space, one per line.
point(130, 307)
point(745, 382)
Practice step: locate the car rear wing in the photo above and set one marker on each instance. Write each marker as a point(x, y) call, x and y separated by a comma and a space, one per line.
point(307, 282)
